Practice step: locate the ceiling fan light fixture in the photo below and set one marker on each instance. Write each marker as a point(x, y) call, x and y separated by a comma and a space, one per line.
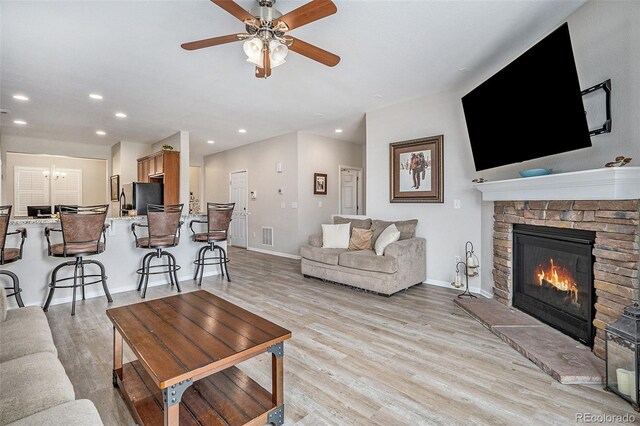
point(253, 48)
point(277, 53)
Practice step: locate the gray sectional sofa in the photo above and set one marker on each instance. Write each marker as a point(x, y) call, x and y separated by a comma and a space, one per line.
point(34, 388)
point(402, 265)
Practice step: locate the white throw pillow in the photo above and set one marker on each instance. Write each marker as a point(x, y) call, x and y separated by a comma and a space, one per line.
point(388, 236)
point(336, 236)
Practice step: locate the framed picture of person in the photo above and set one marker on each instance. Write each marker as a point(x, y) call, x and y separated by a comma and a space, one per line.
point(416, 171)
point(320, 183)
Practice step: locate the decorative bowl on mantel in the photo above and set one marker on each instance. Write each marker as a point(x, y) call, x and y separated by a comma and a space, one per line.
point(534, 172)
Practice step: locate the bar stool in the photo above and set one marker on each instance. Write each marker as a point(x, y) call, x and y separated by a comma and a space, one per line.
point(163, 223)
point(218, 220)
point(10, 255)
point(82, 229)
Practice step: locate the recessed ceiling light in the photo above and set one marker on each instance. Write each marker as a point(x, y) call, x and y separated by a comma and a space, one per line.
point(121, 115)
point(338, 130)
point(378, 96)
point(211, 141)
point(318, 114)
point(242, 130)
point(21, 97)
point(96, 96)
point(100, 132)
point(20, 122)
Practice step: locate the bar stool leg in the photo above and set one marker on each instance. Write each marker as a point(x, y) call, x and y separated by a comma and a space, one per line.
point(75, 286)
point(144, 259)
point(202, 255)
point(145, 271)
point(52, 285)
point(103, 277)
point(82, 277)
point(170, 269)
point(200, 261)
point(226, 260)
point(174, 270)
point(16, 287)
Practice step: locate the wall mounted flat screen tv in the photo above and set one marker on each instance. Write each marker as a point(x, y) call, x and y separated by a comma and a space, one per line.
point(530, 109)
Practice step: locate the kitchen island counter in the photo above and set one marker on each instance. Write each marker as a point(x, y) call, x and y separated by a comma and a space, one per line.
point(121, 259)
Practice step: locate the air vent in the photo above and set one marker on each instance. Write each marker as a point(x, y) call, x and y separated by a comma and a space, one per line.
point(267, 236)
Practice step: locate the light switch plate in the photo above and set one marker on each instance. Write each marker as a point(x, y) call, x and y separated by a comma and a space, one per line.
point(456, 204)
point(294, 204)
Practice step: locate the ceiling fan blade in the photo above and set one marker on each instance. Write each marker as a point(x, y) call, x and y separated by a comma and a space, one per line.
point(234, 9)
point(312, 11)
point(313, 52)
point(208, 42)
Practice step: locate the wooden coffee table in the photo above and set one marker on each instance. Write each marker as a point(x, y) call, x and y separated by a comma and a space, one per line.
point(187, 346)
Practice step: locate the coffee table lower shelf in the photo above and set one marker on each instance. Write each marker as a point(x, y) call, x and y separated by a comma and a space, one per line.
point(228, 397)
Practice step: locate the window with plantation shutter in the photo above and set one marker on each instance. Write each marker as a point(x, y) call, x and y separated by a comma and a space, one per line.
point(67, 187)
point(30, 188)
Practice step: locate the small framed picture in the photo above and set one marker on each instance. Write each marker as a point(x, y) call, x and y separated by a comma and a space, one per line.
point(115, 188)
point(320, 183)
point(416, 169)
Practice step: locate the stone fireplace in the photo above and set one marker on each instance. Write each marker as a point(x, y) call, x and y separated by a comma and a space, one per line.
point(616, 255)
point(604, 202)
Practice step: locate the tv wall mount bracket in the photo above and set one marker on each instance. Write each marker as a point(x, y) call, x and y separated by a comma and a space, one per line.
point(606, 86)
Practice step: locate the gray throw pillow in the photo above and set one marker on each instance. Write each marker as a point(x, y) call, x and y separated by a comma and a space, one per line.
point(407, 228)
point(355, 223)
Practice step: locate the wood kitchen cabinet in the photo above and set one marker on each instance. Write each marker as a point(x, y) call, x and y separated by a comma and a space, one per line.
point(162, 167)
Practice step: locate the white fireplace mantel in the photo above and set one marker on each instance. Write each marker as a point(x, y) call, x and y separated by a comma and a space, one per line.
point(615, 183)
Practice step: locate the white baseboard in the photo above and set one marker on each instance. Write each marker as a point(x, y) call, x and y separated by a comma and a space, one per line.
point(487, 294)
point(445, 284)
point(274, 253)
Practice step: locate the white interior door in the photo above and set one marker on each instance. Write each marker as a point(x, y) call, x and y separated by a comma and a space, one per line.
point(349, 191)
point(238, 195)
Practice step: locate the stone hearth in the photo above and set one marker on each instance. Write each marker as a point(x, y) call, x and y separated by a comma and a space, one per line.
point(616, 250)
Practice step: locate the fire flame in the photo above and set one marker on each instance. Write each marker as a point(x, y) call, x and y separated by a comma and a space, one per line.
point(560, 278)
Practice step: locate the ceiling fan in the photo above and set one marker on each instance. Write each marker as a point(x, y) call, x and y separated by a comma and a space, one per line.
point(265, 41)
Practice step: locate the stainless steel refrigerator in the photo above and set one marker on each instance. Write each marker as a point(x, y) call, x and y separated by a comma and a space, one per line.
point(137, 195)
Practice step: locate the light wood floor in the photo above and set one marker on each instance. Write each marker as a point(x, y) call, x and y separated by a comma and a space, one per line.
point(355, 358)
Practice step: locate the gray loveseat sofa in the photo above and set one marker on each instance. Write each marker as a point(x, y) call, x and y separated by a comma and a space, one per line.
point(402, 265)
point(34, 388)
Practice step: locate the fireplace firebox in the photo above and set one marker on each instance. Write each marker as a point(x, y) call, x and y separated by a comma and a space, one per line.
point(553, 278)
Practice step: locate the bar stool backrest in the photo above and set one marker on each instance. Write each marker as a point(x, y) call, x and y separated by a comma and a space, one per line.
point(5, 215)
point(219, 218)
point(82, 224)
point(164, 222)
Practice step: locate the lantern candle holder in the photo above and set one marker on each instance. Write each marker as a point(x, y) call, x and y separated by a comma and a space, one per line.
point(622, 339)
point(470, 269)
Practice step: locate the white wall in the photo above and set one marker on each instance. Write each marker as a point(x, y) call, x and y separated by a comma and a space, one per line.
point(301, 154)
point(260, 159)
point(446, 229)
point(605, 36)
point(318, 154)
